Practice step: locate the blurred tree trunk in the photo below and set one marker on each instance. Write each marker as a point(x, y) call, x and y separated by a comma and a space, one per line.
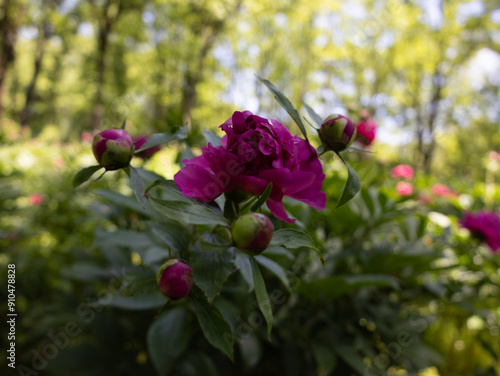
point(8, 30)
point(43, 34)
point(193, 76)
point(111, 12)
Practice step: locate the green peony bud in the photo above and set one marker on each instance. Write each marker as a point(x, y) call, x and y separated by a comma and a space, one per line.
point(337, 132)
point(252, 233)
point(113, 148)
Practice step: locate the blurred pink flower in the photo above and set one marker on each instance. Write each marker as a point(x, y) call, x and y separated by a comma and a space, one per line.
point(424, 198)
point(58, 162)
point(404, 189)
point(365, 113)
point(402, 171)
point(255, 152)
point(367, 129)
point(35, 199)
point(86, 137)
point(442, 190)
point(484, 226)
point(494, 156)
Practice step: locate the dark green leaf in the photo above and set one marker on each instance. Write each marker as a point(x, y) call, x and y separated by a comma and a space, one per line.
point(83, 175)
point(211, 137)
point(286, 104)
point(212, 270)
point(215, 328)
point(137, 186)
point(314, 116)
point(263, 197)
point(325, 357)
point(140, 287)
point(167, 339)
point(150, 300)
point(262, 296)
point(330, 288)
point(321, 149)
point(352, 185)
point(163, 138)
point(351, 358)
point(188, 212)
point(171, 233)
point(274, 268)
point(242, 262)
point(124, 124)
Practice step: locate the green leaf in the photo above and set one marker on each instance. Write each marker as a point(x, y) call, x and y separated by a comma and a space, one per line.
point(330, 288)
point(215, 328)
point(212, 270)
point(85, 174)
point(286, 104)
point(171, 233)
point(167, 339)
point(163, 138)
point(262, 296)
point(263, 197)
point(137, 186)
point(124, 123)
point(294, 239)
point(242, 262)
point(314, 116)
point(212, 138)
point(352, 185)
point(321, 149)
point(351, 358)
point(325, 358)
point(147, 301)
point(188, 212)
point(140, 287)
point(274, 268)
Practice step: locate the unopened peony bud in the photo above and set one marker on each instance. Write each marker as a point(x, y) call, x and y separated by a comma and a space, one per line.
point(252, 233)
point(337, 132)
point(175, 279)
point(113, 148)
point(147, 153)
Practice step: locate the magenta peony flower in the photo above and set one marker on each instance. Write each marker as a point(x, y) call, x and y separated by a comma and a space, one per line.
point(367, 130)
point(484, 226)
point(404, 189)
point(254, 152)
point(443, 191)
point(145, 154)
point(402, 171)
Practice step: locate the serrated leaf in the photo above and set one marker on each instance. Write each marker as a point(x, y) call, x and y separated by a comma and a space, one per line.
point(211, 137)
point(167, 339)
point(188, 212)
point(286, 104)
point(215, 328)
point(262, 296)
point(352, 185)
point(212, 270)
point(314, 116)
point(137, 186)
point(263, 197)
point(85, 174)
point(163, 138)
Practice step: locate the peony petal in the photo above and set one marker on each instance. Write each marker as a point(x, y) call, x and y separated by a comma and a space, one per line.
point(250, 184)
point(198, 182)
point(289, 182)
point(277, 209)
